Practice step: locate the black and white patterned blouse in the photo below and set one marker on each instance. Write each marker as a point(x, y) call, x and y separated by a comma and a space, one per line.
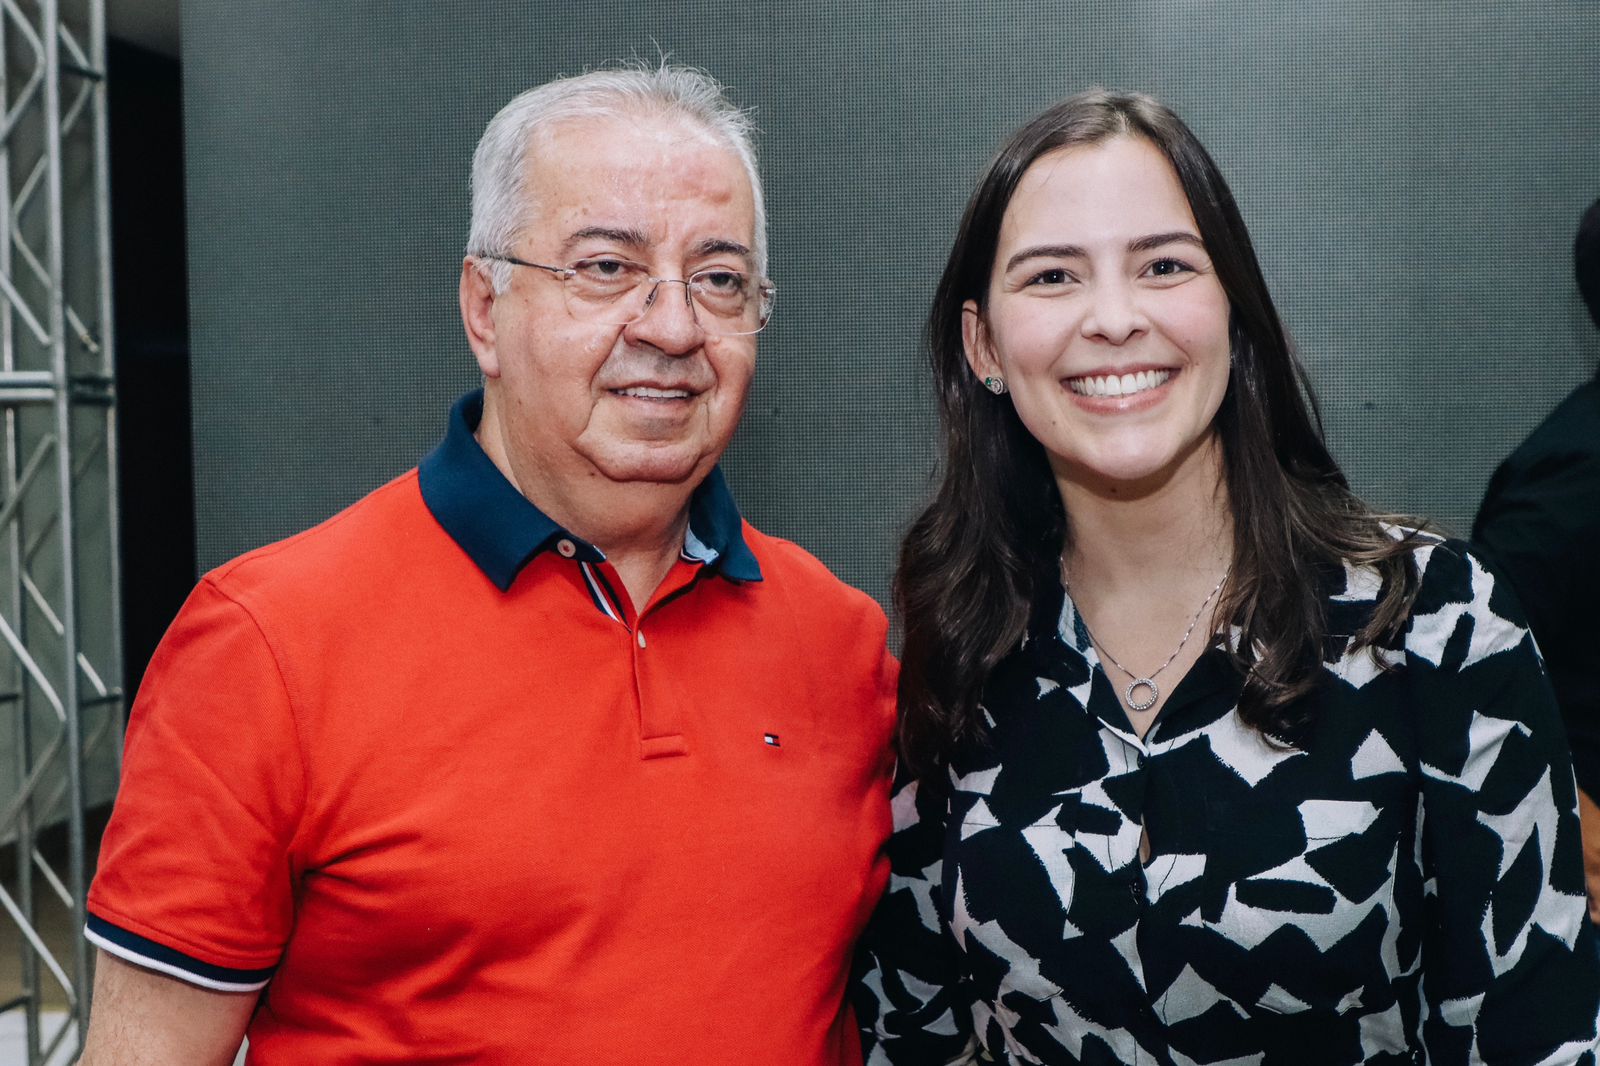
point(1404, 886)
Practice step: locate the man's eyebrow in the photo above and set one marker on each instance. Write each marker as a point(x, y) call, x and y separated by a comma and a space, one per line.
point(720, 245)
point(631, 238)
point(639, 241)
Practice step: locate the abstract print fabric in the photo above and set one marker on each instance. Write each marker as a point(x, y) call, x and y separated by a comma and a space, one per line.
point(1404, 880)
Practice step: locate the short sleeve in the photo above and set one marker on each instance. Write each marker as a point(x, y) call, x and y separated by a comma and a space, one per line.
point(1510, 972)
point(194, 878)
point(912, 1005)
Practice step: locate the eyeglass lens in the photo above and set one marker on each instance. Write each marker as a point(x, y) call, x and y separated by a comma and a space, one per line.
point(617, 292)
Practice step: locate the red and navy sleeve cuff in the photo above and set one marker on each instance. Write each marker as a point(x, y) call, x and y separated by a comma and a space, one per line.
point(141, 951)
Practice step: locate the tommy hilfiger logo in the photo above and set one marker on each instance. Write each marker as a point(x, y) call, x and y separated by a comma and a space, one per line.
point(771, 740)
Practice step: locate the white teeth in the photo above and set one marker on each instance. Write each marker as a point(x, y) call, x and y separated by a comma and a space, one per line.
point(1119, 385)
point(655, 394)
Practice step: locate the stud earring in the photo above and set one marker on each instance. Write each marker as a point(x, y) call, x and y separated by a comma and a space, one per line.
point(995, 385)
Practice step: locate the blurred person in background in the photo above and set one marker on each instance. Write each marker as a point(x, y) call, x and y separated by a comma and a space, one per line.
point(1540, 523)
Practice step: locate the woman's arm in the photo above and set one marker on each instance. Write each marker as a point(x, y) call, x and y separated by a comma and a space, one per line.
point(910, 1001)
point(1510, 971)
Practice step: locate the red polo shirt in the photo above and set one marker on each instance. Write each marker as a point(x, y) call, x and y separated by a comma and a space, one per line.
point(426, 775)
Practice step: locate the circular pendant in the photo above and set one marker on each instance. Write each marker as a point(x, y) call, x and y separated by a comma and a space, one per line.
point(1142, 705)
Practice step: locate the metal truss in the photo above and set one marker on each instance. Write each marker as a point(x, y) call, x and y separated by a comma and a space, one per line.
point(60, 652)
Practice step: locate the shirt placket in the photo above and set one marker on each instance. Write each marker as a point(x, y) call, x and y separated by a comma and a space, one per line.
point(660, 717)
point(1133, 754)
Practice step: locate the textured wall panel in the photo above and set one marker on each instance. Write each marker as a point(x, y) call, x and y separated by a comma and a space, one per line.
point(1412, 175)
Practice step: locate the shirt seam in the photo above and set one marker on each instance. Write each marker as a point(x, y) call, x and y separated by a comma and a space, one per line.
point(289, 702)
point(227, 569)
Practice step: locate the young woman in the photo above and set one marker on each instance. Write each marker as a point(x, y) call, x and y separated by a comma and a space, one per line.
point(1202, 761)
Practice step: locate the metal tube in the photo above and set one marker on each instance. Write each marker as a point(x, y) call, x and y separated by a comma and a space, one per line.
point(29, 961)
point(63, 416)
point(108, 368)
point(49, 384)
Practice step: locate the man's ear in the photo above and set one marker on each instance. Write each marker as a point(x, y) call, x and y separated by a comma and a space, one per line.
point(477, 314)
point(976, 344)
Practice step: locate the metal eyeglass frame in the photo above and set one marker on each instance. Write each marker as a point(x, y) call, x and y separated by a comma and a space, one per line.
point(767, 291)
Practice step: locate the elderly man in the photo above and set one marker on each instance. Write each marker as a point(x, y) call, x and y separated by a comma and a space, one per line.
point(538, 754)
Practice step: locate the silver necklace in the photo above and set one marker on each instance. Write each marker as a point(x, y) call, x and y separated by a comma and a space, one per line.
point(1144, 682)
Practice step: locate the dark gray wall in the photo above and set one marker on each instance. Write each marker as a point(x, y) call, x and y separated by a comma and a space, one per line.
point(1412, 175)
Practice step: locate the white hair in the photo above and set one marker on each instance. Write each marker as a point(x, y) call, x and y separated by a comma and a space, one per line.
point(500, 197)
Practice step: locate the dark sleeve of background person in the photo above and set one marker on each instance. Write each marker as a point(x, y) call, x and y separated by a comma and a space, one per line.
point(1540, 522)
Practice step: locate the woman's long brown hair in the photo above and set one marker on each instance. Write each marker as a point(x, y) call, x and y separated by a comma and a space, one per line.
point(977, 560)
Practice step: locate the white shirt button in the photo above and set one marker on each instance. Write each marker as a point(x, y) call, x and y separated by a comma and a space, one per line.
point(641, 638)
point(566, 548)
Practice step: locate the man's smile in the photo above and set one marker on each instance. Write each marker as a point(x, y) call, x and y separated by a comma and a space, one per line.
point(649, 392)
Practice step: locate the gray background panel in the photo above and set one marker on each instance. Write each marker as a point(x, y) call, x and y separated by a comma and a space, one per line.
point(1412, 175)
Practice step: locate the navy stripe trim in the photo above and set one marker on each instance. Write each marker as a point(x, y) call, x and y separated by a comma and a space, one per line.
point(611, 593)
point(145, 952)
point(589, 576)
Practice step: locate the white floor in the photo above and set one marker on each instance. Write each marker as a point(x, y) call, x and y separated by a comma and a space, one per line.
point(14, 1038)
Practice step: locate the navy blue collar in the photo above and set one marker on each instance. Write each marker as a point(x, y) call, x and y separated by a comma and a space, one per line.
point(502, 531)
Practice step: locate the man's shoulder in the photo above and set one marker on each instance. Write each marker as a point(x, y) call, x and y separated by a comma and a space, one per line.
point(785, 564)
point(840, 632)
point(788, 562)
point(355, 546)
point(1557, 462)
point(1571, 430)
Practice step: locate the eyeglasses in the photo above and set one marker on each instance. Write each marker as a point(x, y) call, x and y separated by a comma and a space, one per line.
point(617, 292)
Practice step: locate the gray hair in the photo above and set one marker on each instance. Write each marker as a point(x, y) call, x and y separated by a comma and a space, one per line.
point(500, 196)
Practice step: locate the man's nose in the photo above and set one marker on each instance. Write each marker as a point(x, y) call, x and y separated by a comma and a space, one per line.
point(668, 321)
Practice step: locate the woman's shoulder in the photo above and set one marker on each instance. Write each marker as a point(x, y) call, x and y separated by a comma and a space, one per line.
point(1444, 566)
point(1461, 651)
point(1460, 608)
point(1463, 612)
